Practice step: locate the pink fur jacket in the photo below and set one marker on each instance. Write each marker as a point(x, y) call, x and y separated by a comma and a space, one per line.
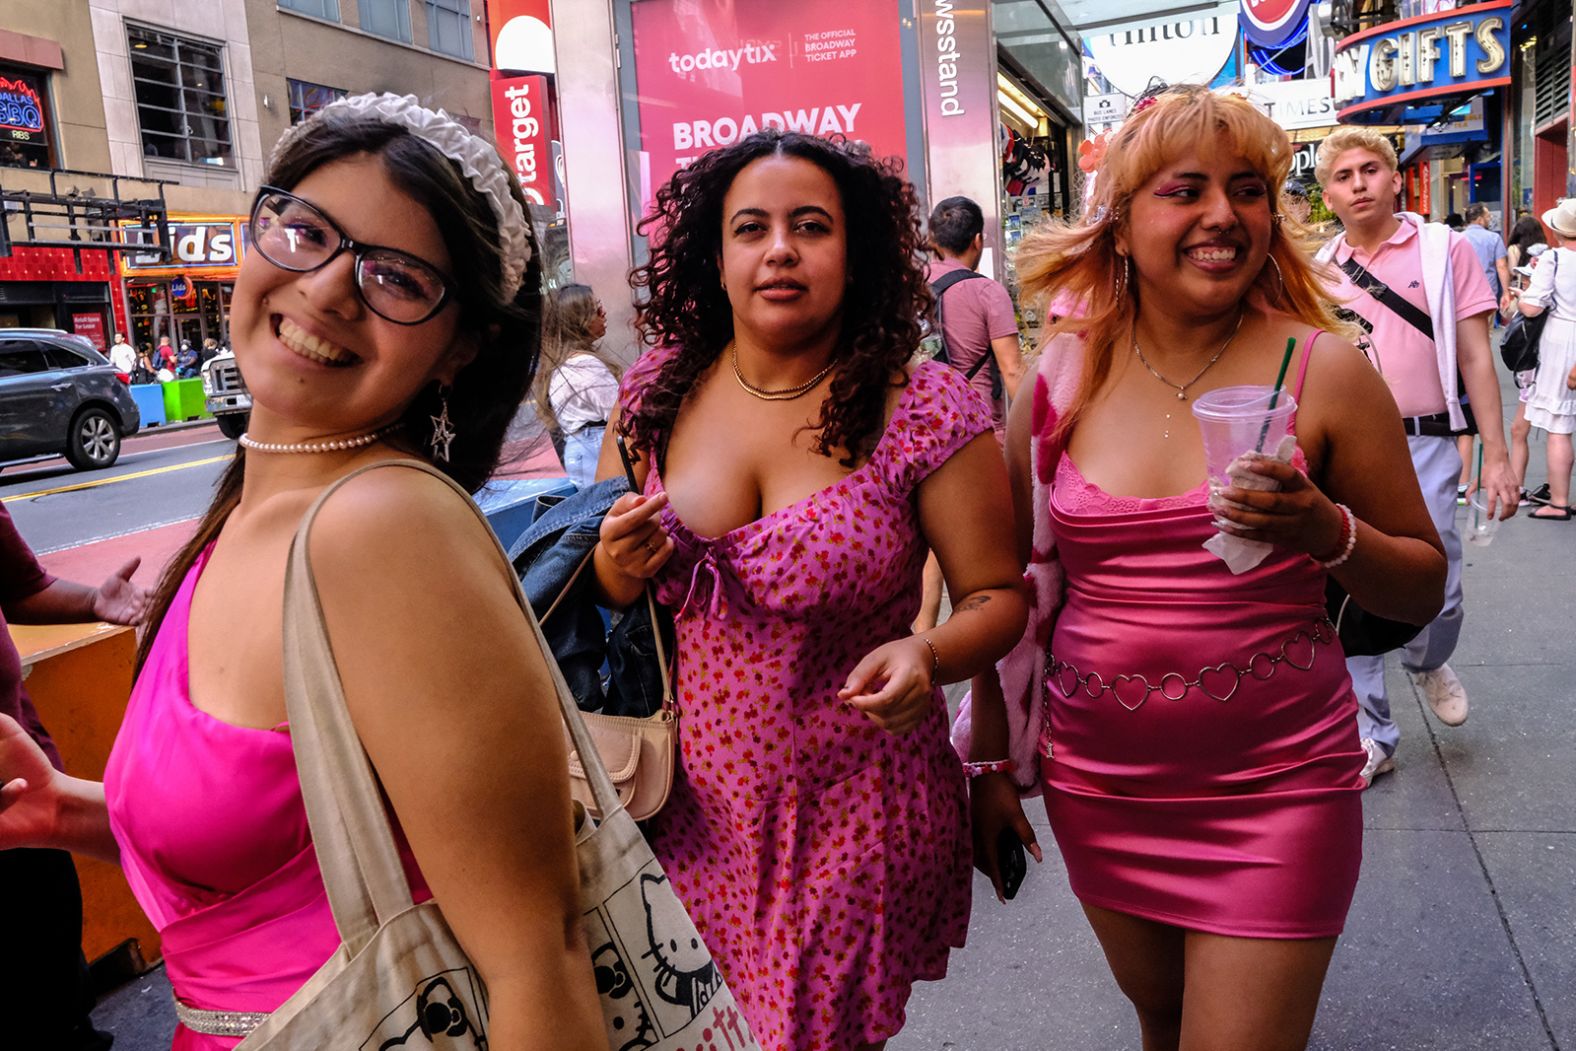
point(1022, 670)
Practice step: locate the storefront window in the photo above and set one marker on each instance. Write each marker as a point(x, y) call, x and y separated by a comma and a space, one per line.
point(181, 309)
point(24, 130)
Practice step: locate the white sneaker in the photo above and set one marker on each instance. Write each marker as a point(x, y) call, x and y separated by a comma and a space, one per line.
point(1378, 763)
point(1444, 693)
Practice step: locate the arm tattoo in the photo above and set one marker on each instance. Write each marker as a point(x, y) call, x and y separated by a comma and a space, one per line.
point(971, 603)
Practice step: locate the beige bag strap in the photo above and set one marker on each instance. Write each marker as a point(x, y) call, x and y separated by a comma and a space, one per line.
point(350, 828)
point(668, 704)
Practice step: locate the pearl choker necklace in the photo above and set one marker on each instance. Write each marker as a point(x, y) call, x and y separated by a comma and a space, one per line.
point(331, 446)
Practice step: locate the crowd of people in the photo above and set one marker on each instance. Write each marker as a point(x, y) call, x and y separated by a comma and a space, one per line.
point(1199, 736)
point(164, 363)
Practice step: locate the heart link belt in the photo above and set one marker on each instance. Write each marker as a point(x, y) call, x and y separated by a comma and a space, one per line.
point(1218, 682)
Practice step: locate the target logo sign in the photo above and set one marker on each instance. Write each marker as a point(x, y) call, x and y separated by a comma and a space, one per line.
point(1273, 22)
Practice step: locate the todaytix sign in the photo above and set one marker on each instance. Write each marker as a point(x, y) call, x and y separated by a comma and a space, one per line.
point(1403, 72)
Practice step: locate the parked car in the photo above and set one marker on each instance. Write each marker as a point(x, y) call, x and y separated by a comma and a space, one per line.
point(226, 394)
point(58, 394)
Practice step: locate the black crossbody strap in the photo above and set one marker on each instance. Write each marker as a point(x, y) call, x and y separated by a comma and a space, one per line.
point(1397, 304)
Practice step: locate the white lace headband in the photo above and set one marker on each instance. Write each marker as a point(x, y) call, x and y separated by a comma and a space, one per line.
point(475, 156)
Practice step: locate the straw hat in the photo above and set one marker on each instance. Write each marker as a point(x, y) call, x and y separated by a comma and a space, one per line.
point(1562, 218)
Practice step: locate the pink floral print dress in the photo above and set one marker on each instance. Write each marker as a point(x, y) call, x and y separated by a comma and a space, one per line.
point(826, 863)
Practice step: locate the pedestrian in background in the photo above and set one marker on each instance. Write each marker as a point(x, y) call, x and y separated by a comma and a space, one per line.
point(1421, 288)
point(188, 362)
point(795, 467)
point(1200, 759)
point(577, 382)
point(978, 327)
point(355, 356)
point(1551, 402)
point(43, 974)
point(1526, 233)
point(210, 350)
point(146, 371)
point(164, 357)
point(123, 355)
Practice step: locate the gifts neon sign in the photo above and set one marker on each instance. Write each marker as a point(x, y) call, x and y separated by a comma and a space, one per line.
point(20, 107)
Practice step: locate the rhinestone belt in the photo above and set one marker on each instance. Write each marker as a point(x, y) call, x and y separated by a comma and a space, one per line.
point(218, 1023)
point(1218, 682)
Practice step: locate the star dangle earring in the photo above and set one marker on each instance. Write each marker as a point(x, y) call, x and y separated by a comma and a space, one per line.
point(442, 428)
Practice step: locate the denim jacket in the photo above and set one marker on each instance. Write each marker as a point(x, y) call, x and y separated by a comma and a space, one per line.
point(546, 557)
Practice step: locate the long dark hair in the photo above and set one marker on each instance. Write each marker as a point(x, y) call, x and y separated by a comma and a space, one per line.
point(687, 308)
point(1527, 232)
point(506, 335)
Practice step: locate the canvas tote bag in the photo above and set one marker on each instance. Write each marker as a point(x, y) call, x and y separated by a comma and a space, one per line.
point(400, 978)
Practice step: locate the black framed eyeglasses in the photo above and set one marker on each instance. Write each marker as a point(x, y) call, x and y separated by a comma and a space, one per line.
point(295, 235)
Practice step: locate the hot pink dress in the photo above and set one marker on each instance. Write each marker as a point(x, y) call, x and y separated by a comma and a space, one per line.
point(826, 863)
point(214, 842)
point(1204, 755)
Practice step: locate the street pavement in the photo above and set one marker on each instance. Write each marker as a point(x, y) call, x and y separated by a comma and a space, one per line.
point(1463, 933)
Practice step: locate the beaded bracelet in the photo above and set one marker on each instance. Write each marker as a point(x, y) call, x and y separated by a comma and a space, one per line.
point(1349, 532)
point(996, 766)
point(935, 659)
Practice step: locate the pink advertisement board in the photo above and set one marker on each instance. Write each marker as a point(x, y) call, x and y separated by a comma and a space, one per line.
point(710, 72)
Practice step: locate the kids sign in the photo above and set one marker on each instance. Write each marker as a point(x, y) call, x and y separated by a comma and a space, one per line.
point(710, 74)
point(1404, 72)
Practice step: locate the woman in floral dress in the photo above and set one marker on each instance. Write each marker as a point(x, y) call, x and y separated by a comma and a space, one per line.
point(795, 470)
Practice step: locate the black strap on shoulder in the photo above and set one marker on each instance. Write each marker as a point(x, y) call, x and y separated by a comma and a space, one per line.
point(950, 278)
point(1388, 297)
point(937, 287)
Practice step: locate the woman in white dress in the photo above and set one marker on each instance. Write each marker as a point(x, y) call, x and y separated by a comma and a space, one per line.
point(1552, 403)
point(577, 383)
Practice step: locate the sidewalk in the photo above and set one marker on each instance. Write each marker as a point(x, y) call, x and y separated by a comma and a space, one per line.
point(1463, 933)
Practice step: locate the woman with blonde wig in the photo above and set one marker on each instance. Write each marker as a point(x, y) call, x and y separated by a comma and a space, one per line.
point(1198, 755)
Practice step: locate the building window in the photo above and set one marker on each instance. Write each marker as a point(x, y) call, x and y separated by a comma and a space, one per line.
point(328, 9)
point(181, 104)
point(449, 27)
point(24, 119)
point(307, 98)
point(390, 18)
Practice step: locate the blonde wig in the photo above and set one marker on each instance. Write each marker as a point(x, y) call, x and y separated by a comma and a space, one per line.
point(1072, 269)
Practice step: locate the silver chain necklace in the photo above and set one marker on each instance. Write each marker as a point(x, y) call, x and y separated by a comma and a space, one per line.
point(1181, 388)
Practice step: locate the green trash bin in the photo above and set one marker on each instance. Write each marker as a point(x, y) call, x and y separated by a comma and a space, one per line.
point(183, 400)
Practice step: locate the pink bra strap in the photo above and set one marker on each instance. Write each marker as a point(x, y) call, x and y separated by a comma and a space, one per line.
point(1302, 374)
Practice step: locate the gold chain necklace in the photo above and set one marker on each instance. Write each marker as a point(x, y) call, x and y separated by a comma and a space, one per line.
point(787, 393)
point(1181, 388)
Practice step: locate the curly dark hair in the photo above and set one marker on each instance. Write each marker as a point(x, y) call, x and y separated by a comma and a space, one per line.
point(687, 308)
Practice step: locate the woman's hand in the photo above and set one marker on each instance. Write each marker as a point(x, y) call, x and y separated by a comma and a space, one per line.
point(994, 806)
point(892, 685)
point(1570, 381)
point(1297, 517)
point(632, 536)
point(29, 803)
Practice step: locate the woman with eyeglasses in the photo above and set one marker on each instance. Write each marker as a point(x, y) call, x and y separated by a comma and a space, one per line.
point(389, 311)
point(577, 383)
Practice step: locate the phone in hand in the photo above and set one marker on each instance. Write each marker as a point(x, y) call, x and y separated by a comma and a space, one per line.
point(1010, 862)
point(629, 466)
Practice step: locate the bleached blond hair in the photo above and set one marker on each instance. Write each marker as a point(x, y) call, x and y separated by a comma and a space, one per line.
point(1352, 138)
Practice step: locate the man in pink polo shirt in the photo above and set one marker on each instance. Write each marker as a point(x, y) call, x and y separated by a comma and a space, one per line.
point(1417, 291)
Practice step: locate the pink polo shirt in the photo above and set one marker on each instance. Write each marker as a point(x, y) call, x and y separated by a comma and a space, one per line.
point(1404, 356)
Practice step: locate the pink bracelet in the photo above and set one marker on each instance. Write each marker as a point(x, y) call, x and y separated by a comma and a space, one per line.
point(1349, 531)
point(997, 766)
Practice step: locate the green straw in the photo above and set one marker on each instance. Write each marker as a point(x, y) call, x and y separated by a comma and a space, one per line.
point(1280, 380)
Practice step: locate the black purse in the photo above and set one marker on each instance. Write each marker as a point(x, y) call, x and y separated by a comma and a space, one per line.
point(1363, 634)
point(1519, 349)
